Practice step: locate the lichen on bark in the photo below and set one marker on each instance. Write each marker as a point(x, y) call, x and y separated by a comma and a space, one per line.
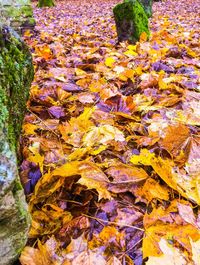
point(16, 73)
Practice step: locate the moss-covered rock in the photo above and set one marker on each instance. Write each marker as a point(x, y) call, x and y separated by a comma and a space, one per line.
point(131, 21)
point(16, 73)
point(46, 3)
point(17, 14)
point(146, 4)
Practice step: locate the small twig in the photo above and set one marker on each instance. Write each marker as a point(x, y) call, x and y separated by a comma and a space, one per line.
point(113, 223)
point(125, 253)
point(43, 123)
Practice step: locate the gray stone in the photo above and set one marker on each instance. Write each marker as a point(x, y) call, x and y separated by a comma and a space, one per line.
point(16, 74)
point(131, 21)
point(17, 14)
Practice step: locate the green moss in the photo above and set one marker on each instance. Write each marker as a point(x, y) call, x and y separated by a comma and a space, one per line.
point(17, 14)
point(17, 186)
point(47, 3)
point(27, 11)
point(17, 74)
point(31, 21)
point(146, 4)
point(131, 20)
point(17, 193)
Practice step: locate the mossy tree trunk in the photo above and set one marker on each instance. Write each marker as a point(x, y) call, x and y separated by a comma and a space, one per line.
point(46, 3)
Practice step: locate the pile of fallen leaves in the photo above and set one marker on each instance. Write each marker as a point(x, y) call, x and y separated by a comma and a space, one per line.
point(111, 140)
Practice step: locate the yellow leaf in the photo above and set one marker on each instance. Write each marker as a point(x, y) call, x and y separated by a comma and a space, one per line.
point(152, 189)
point(67, 170)
point(171, 232)
point(44, 51)
point(144, 158)
point(138, 70)
point(98, 150)
point(122, 77)
point(93, 178)
point(132, 47)
point(80, 72)
point(78, 154)
point(97, 86)
point(74, 130)
point(187, 186)
point(29, 128)
point(143, 37)
point(171, 256)
point(38, 160)
point(109, 61)
point(108, 233)
point(130, 52)
point(161, 83)
point(27, 33)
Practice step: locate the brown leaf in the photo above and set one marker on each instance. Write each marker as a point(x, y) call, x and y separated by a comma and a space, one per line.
point(176, 139)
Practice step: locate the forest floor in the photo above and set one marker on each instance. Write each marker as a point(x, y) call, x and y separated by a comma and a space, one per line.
point(111, 140)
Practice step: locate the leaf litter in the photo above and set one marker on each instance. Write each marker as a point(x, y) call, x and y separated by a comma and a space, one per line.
point(110, 142)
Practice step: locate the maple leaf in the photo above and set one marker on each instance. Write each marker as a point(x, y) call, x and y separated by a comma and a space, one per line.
point(91, 177)
point(174, 142)
point(187, 187)
point(74, 130)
